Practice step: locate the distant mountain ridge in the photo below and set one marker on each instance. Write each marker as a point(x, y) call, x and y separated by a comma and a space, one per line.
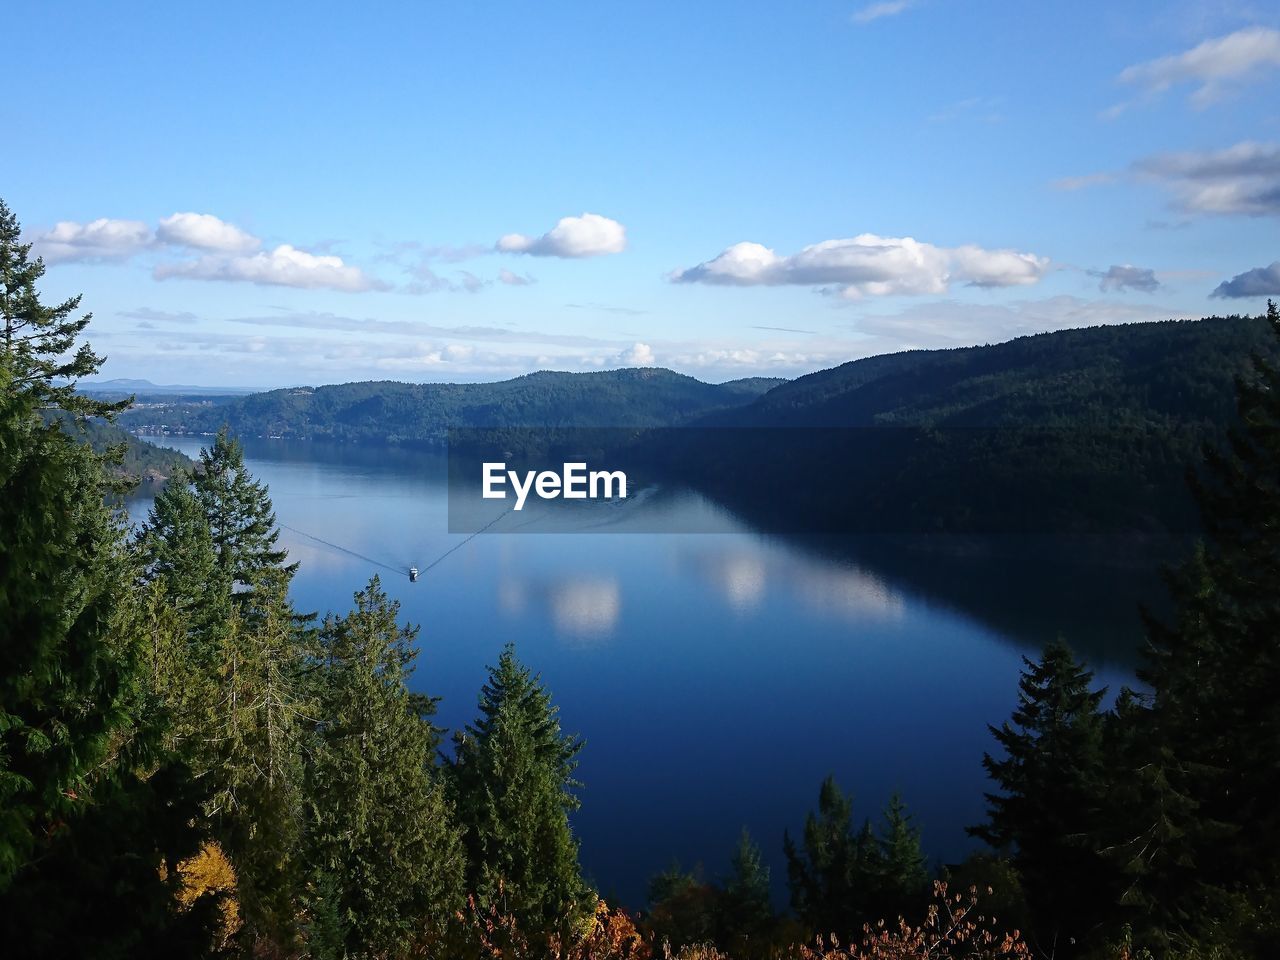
point(416, 413)
point(125, 387)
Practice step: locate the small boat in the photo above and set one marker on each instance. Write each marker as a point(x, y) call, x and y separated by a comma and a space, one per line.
point(413, 574)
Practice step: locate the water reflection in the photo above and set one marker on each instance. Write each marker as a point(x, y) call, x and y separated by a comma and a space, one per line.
point(730, 672)
point(744, 575)
point(583, 610)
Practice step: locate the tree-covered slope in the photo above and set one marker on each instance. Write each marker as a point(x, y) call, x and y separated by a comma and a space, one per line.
point(1149, 372)
point(1090, 430)
point(385, 411)
point(142, 461)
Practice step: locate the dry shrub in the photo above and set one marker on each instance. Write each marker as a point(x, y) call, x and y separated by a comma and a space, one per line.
point(953, 929)
point(608, 934)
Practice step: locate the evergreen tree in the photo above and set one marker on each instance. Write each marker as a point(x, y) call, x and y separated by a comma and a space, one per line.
point(746, 910)
point(240, 516)
point(833, 880)
point(62, 677)
point(1052, 786)
point(39, 341)
point(251, 752)
point(513, 780)
point(382, 848)
point(231, 660)
point(178, 554)
point(90, 808)
point(904, 875)
point(1208, 833)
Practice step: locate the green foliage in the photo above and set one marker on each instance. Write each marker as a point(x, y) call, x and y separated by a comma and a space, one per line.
point(240, 518)
point(1207, 825)
point(745, 914)
point(844, 878)
point(230, 660)
point(904, 873)
point(418, 414)
point(96, 890)
point(139, 461)
point(40, 341)
point(1077, 431)
point(1049, 813)
point(254, 736)
point(381, 844)
point(1140, 374)
point(64, 677)
point(179, 557)
point(512, 778)
point(90, 807)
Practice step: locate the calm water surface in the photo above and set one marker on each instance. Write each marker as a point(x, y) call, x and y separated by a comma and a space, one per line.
point(716, 678)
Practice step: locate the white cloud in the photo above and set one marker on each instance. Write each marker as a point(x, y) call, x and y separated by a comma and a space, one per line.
point(204, 231)
point(1215, 67)
point(640, 355)
point(100, 239)
point(455, 352)
point(1243, 179)
point(589, 235)
point(869, 265)
point(515, 279)
point(887, 8)
point(285, 266)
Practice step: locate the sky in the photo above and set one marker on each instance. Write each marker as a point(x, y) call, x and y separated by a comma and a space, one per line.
point(261, 195)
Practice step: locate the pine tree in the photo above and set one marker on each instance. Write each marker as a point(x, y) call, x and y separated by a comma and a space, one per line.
point(1208, 830)
point(251, 753)
point(62, 678)
point(178, 555)
point(382, 846)
point(240, 516)
point(513, 780)
point(90, 806)
point(230, 661)
point(904, 877)
point(38, 340)
point(834, 879)
point(1052, 780)
point(746, 910)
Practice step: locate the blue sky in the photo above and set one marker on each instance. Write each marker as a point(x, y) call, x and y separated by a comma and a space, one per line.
point(271, 194)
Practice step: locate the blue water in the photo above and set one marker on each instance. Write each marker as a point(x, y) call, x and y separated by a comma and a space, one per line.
point(716, 678)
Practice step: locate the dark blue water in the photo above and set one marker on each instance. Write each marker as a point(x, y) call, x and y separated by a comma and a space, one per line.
point(716, 678)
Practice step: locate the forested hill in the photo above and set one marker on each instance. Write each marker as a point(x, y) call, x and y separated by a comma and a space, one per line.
point(1134, 374)
point(385, 411)
point(142, 462)
point(1090, 430)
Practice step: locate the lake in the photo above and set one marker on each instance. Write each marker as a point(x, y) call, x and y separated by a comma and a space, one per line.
point(716, 677)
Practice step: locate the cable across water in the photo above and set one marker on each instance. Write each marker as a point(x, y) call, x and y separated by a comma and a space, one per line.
point(342, 549)
point(387, 566)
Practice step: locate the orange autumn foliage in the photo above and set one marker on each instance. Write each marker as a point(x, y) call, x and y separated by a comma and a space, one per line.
point(952, 930)
point(608, 934)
